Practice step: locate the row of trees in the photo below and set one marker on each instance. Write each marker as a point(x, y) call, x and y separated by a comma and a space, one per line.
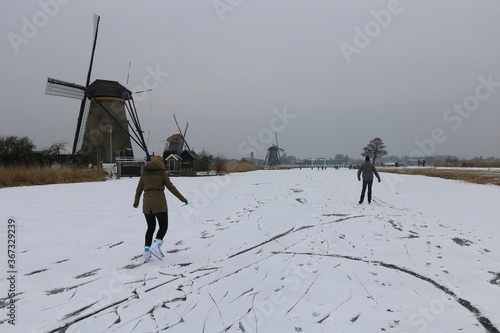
point(20, 151)
point(375, 150)
point(13, 145)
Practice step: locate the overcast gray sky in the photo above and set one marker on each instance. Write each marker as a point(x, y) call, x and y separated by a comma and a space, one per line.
point(328, 76)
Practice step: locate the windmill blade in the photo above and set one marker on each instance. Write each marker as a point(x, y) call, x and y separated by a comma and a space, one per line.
point(64, 89)
point(278, 149)
point(97, 18)
point(185, 131)
point(177, 124)
point(80, 131)
point(81, 114)
point(180, 132)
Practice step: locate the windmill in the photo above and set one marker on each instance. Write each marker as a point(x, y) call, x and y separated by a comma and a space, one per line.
point(102, 129)
point(175, 143)
point(273, 154)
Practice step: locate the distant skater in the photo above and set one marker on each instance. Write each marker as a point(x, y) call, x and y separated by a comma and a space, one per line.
point(368, 170)
point(153, 181)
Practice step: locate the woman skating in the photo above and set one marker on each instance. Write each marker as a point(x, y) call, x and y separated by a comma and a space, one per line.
point(153, 181)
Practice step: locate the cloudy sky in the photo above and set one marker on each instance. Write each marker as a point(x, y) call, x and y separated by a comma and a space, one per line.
point(327, 76)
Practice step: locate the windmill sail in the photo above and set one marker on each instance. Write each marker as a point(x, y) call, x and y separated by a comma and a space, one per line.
point(64, 89)
point(180, 132)
point(97, 18)
point(84, 107)
point(76, 91)
point(83, 125)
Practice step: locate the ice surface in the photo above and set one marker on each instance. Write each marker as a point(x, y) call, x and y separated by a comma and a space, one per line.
point(264, 251)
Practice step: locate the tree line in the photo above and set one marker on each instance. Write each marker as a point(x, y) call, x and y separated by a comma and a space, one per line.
point(16, 151)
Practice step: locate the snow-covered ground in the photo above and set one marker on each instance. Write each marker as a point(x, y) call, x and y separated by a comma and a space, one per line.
point(264, 251)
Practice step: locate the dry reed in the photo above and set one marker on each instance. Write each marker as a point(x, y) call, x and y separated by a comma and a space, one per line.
point(464, 163)
point(240, 166)
point(475, 176)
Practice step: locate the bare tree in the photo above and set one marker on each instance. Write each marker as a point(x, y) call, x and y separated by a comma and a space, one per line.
point(56, 148)
point(375, 149)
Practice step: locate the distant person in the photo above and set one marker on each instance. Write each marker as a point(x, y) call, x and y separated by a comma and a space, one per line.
point(153, 181)
point(368, 169)
point(423, 163)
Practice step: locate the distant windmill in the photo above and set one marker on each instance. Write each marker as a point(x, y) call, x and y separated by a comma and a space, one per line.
point(102, 126)
point(273, 154)
point(176, 142)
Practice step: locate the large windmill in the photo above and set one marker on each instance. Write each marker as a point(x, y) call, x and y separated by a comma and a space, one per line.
point(273, 154)
point(103, 130)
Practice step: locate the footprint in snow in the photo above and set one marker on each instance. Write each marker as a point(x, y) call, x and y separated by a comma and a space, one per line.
point(317, 310)
point(496, 278)
point(205, 235)
point(297, 323)
point(462, 242)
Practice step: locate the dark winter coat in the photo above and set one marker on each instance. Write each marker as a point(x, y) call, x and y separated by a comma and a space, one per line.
point(368, 169)
point(153, 181)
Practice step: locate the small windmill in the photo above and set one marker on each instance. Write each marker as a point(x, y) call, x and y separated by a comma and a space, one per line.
point(273, 154)
point(176, 142)
point(102, 127)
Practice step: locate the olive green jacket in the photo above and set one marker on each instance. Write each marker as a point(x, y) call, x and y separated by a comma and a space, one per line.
point(153, 181)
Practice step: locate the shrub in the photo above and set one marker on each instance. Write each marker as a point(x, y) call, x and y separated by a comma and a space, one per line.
point(240, 166)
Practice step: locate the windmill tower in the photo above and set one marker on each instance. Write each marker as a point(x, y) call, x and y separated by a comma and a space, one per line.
point(102, 129)
point(273, 154)
point(176, 142)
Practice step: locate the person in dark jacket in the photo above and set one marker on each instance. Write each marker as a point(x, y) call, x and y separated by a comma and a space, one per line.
point(153, 181)
point(368, 170)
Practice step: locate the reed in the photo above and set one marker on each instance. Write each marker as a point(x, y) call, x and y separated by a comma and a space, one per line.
point(475, 176)
point(240, 166)
point(465, 163)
